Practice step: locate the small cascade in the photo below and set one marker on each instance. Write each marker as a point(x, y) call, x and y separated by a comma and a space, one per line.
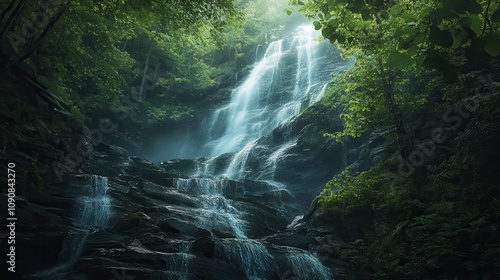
point(217, 211)
point(198, 169)
point(302, 265)
point(257, 53)
point(236, 168)
point(278, 191)
point(201, 186)
point(91, 213)
point(178, 264)
point(93, 209)
point(270, 165)
point(295, 221)
point(252, 256)
point(317, 96)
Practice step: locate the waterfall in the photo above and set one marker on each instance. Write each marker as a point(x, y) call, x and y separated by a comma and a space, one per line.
point(92, 212)
point(178, 264)
point(270, 165)
point(257, 53)
point(93, 208)
point(306, 266)
point(202, 186)
point(236, 168)
point(261, 103)
point(293, 73)
point(217, 211)
point(252, 256)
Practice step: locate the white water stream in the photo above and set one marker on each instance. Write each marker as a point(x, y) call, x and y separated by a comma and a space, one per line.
point(92, 212)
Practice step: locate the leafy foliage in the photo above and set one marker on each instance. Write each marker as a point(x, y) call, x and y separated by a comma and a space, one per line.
point(413, 60)
point(398, 41)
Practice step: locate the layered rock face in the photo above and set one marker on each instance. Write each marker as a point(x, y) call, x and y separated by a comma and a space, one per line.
point(235, 215)
point(134, 218)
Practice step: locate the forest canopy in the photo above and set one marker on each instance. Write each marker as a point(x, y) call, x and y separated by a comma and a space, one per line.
point(147, 60)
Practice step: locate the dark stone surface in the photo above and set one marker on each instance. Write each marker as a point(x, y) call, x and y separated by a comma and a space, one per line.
point(153, 223)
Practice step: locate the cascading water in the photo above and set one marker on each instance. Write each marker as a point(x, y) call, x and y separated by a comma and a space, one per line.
point(251, 255)
point(267, 99)
point(270, 165)
point(293, 73)
point(91, 213)
point(178, 264)
point(217, 211)
point(306, 266)
point(93, 208)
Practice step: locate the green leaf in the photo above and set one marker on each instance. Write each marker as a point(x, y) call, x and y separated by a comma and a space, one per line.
point(333, 23)
point(492, 44)
point(327, 32)
point(460, 39)
point(358, 4)
point(385, 15)
point(442, 38)
point(317, 25)
point(353, 8)
point(398, 59)
point(476, 49)
point(441, 13)
point(366, 14)
point(432, 60)
point(495, 17)
point(470, 6)
point(341, 39)
point(465, 21)
point(396, 10)
point(476, 24)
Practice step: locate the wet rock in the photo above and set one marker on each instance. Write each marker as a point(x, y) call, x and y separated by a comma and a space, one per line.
point(205, 246)
point(296, 238)
point(223, 234)
point(178, 226)
point(156, 176)
point(180, 167)
point(143, 163)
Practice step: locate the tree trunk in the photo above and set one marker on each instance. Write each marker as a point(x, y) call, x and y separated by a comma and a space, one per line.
point(145, 72)
point(124, 45)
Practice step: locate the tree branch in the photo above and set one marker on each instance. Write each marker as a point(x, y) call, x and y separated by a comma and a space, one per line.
point(38, 40)
point(6, 10)
point(11, 21)
point(486, 17)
